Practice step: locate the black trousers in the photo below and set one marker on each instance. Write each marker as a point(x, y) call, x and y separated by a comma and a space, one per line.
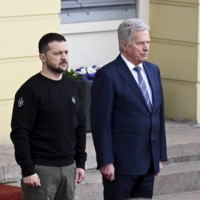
point(125, 187)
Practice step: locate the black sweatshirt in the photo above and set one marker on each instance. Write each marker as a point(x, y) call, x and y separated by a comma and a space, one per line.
point(48, 124)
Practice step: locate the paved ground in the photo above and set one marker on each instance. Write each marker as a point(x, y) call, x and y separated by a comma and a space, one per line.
point(182, 133)
point(183, 196)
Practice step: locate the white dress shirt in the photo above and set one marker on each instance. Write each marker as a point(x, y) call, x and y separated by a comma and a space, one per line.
point(143, 73)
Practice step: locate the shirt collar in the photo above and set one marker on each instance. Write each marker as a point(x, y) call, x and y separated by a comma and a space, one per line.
point(131, 65)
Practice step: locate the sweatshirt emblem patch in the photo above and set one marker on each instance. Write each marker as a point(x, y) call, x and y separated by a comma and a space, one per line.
point(20, 102)
point(73, 100)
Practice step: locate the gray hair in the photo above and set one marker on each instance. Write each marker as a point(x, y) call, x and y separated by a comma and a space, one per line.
point(127, 28)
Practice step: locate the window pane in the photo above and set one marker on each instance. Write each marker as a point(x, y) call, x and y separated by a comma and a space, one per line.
point(94, 3)
point(65, 4)
point(96, 10)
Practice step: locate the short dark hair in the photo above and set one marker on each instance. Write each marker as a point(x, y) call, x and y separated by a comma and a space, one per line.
point(46, 39)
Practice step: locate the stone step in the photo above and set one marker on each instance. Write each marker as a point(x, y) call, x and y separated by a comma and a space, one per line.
point(187, 151)
point(183, 152)
point(91, 155)
point(174, 178)
point(178, 178)
point(9, 173)
point(183, 141)
point(177, 181)
point(91, 188)
point(177, 153)
point(195, 195)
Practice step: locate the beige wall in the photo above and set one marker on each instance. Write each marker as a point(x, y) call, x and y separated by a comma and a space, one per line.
point(22, 24)
point(175, 48)
point(143, 10)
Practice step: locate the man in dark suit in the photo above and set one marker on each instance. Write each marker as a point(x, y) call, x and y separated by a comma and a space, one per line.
point(127, 117)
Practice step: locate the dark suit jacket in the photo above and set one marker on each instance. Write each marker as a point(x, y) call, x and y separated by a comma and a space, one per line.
point(124, 131)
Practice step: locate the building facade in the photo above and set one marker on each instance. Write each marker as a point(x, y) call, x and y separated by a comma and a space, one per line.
point(90, 28)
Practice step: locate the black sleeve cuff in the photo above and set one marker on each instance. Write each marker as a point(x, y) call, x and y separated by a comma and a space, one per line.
point(28, 171)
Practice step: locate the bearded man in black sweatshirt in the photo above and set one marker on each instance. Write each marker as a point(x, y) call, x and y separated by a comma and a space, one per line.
point(48, 127)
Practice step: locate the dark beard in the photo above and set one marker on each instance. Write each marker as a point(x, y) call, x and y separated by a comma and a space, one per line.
point(54, 69)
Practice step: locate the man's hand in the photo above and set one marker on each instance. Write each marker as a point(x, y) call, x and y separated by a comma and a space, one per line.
point(108, 171)
point(160, 166)
point(80, 175)
point(32, 181)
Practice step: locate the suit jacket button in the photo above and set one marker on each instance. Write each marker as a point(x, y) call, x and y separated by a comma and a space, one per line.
point(151, 134)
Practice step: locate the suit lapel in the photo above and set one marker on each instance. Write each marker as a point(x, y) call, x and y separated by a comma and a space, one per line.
point(129, 79)
point(151, 82)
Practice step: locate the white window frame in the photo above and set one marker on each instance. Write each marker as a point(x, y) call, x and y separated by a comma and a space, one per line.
point(73, 11)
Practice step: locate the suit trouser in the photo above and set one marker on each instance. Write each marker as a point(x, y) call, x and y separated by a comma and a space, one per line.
point(126, 187)
point(57, 183)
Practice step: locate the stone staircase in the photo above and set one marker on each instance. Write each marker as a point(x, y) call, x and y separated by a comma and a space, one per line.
point(179, 180)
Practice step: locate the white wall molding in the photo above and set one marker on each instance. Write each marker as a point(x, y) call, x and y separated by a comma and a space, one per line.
point(143, 7)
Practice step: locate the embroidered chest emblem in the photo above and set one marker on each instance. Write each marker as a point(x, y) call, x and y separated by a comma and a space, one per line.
point(73, 100)
point(20, 102)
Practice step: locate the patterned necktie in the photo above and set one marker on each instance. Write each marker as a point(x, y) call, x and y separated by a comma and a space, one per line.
point(143, 87)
